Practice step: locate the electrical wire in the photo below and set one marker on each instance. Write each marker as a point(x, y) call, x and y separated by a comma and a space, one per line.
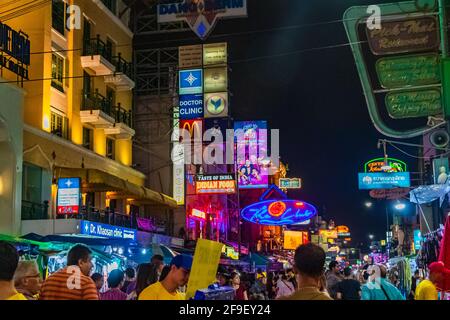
point(413, 156)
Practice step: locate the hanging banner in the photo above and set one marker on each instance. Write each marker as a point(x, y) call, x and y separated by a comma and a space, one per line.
point(204, 267)
point(201, 15)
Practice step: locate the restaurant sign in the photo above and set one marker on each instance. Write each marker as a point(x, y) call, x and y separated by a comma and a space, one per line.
point(385, 165)
point(415, 70)
point(215, 184)
point(405, 35)
point(414, 104)
point(15, 48)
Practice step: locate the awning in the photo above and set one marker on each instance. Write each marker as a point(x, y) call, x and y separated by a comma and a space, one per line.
point(430, 193)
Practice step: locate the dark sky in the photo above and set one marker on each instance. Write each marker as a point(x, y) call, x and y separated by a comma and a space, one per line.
point(314, 98)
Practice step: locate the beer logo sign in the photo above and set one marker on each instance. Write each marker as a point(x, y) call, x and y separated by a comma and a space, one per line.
point(216, 105)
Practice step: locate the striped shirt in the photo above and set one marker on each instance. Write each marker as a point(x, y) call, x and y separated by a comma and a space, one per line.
point(63, 285)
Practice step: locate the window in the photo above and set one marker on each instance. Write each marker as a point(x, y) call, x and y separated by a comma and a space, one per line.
point(57, 72)
point(59, 125)
point(32, 183)
point(88, 138)
point(111, 5)
point(59, 15)
point(110, 148)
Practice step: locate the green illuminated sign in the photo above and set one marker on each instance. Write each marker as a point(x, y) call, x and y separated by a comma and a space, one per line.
point(379, 165)
point(399, 72)
point(414, 104)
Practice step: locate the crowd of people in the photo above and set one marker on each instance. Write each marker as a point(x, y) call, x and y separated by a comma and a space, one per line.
point(307, 280)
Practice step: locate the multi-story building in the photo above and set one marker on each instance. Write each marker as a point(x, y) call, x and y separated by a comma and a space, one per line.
point(78, 112)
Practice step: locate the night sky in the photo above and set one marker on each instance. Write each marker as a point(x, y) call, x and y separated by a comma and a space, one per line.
point(315, 99)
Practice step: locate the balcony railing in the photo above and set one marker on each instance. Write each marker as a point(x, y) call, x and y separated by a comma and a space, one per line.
point(34, 211)
point(95, 101)
point(95, 47)
point(123, 116)
point(123, 66)
point(107, 217)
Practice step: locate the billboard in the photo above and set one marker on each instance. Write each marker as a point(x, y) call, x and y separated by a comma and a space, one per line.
point(69, 196)
point(380, 165)
point(215, 80)
point(191, 106)
point(251, 153)
point(369, 181)
point(215, 184)
point(215, 54)
point(191, 81)
point(216, 105)
point(294, 239)
point(190, 57)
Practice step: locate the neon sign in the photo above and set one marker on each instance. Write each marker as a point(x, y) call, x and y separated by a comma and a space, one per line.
point(279, 213)
point(379, 165)
point(198, 214)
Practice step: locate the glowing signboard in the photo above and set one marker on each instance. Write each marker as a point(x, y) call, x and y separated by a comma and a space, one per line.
point(198, 214)
point(379, 165)
point(69, 196)
point(215, 184)
point(191, 81)
point(328, 234)
point(382, 180)
point(290, 183)
point(279, 213)
point(215, 54)
point(294, 239)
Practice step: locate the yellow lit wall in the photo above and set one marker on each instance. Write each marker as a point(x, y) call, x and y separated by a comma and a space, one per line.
point(123, 152)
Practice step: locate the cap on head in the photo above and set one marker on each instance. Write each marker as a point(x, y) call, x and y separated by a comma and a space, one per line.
point(437, 267)
point(182, 261)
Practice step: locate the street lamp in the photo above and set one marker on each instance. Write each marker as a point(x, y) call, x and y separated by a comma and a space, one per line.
point(368, 204)
point(400, 206)
point(371, 236)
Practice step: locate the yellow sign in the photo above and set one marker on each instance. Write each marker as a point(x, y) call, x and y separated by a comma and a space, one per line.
point(383, 243)
point(215, 54)
point(204, 268)
point(216, 80)
point(190, 57)
point(315, 239)
point(292, 239)
point(329, 234)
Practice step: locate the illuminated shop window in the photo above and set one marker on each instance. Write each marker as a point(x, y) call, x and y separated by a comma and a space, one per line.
point(59, 125)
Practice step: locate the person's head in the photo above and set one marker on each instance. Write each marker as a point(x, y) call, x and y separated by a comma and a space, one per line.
point(284, 276)
point(81, 256)
point(348, 272)
point(222, 279)
point(147, 274)
point(417, 274)
point(437, 270)
point(158, 261)
point(9, 259)
point(180, 267)
point(116, 279)
point(334, 266)
point(165, 271)
point(98, 280)
point(130, 274)
point(309, 261)
point(27, 277)
point(235, 279)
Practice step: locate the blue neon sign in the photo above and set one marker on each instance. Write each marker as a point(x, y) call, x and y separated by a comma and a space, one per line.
point(383, 180)
point(107, 231)
point(279, 212)
point(191, 81)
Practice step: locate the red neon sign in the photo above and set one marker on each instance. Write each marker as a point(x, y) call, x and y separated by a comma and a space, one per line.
point(276, 209)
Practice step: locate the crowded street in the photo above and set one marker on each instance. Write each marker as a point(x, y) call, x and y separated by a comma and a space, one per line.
point(242, 151)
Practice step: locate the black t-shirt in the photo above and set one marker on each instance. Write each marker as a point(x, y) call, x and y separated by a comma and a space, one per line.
point(349, 289)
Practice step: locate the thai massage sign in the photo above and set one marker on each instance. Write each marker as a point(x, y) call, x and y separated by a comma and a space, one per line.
point(215, 184)
point(406, 35)
point(399, 72)
point(202, 15)
point(414, 104)
point(15, 47)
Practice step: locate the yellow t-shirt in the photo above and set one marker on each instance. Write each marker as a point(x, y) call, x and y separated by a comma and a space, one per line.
point(426, 290)
point(157, 292)
point(17, 296)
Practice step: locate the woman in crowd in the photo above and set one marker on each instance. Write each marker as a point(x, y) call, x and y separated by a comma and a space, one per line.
point(240, 290)
point(147, 274)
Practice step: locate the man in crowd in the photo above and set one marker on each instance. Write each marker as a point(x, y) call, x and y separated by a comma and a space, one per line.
point(72, 282)
point(167, 289)
point(130, 276)
point(115, 282)
point(9, 259)
point(158, 261)
point(309, 261)
point(426, 290)
point(349, 288)
point(333, 278)
point(415, 278)
point(28, 280)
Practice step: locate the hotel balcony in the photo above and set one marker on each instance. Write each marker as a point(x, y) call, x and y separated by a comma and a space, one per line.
point(97, 58)
point(123, 126)
point(122, 79)
point(97, 111)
